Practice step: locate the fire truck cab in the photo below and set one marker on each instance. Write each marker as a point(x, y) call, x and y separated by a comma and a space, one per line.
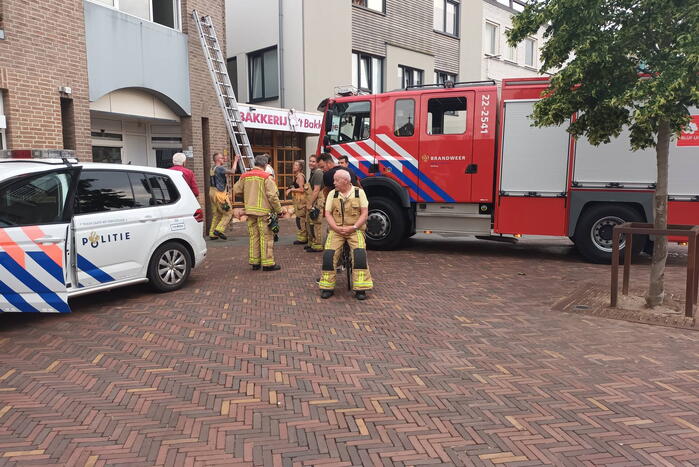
point(465, 159)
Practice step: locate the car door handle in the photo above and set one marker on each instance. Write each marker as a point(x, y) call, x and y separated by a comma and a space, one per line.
point(48, 240)
point(147, 219)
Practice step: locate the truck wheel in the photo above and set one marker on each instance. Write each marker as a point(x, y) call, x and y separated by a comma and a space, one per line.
point(385, 224)
point(593, 234)
point(169, 267)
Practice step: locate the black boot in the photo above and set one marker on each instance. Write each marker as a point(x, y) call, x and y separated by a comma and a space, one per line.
point(360, 295)
point(256, 267)
point(276, 267)
point(326, 294)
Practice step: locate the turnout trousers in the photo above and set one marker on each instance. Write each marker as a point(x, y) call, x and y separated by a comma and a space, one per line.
point(261, 246)
point(220, 218)
point(361, 277)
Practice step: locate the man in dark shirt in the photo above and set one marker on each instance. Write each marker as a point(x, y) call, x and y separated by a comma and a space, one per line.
point(328, 166)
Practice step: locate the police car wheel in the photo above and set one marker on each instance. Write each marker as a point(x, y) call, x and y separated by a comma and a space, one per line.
point(169, 267)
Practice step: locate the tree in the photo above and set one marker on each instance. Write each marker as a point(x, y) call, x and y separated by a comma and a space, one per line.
point(620, 63)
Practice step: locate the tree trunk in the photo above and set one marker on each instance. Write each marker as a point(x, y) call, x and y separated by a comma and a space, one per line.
point(656, 291)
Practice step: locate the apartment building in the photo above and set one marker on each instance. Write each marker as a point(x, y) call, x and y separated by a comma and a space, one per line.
point(291, 54)
point(120, 81)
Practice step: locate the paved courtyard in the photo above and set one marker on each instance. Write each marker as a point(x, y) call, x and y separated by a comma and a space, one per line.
point(457, 358)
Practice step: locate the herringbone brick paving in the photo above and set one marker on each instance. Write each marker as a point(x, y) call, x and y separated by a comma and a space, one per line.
point(456, 358)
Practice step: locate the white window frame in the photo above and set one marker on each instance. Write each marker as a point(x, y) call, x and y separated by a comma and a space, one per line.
point(510, 52)
point(451, 76)
point(178, 12)
point(457, 13)
point(415, 73)
point(488, 51)
point(376, 72)
point(3, 123)
point(360, 4)
point(534, 52)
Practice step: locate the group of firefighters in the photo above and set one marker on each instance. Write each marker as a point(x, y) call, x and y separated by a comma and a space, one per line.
point(331, 194)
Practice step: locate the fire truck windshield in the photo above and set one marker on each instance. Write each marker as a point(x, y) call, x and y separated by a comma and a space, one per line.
point(350, 121)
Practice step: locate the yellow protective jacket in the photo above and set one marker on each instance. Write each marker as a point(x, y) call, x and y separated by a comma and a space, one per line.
point(346, 212)
point(260, 193)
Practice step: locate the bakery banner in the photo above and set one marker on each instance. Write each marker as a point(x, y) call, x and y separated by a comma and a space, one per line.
point(269, 118)
point(690, 135)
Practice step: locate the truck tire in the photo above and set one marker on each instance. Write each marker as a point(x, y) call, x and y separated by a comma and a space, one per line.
point(386, 224)
point(593, 234)
point(169, 267)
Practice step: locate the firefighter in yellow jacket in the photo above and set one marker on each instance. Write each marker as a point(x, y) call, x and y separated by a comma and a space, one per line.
point(261, 200)
point(346, 210)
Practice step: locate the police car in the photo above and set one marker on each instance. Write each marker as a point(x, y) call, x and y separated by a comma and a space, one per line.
point(69, 228)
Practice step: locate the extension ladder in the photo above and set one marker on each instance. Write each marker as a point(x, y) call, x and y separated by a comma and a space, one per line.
point(224, 91)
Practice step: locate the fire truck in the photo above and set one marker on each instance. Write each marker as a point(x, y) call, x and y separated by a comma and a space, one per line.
point(465, 159)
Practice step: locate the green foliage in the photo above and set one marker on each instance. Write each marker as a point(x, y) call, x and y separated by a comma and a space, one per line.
point(596, 49)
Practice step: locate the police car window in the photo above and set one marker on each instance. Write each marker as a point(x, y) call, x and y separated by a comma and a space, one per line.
point(446, 116)
point(164, 191)
point(142, 193)
point(351, 121)
point(104, 190)
point(404, 121)
point(34, 200)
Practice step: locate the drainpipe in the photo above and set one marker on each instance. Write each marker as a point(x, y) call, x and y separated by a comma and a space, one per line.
point(280, 55)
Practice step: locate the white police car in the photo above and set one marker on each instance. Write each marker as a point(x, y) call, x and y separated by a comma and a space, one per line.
point(70, 228)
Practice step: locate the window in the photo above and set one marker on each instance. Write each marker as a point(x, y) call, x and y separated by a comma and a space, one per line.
point(367, 72)
point(165, 147)
point(410, 76)
point(517, 5)
point(104, 190)
point(163, 189)
point(106, 147)
point(350, 121)
point(510, 52)
point(530, 52)
point(446, 116)
point(35, 200)
point(232, 66)
point(142, 193)
point(376, 5)
point(165, 12)
point(68, 123)
point(106, 154)
point(446, 16)
point(404, 121)
point(263, 76)
point(441, 77)
point(3, 123)
point(492, 39)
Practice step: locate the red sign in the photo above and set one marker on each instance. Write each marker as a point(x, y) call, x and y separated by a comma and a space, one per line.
point(690, 135)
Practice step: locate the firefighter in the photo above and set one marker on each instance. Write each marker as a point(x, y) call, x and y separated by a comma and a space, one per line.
point(346, 211)
point(298, 192)
point(262, 206)
point(218, 196)
point(315, 204)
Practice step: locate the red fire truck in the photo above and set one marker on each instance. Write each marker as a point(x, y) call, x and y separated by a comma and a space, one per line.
point(465, 159)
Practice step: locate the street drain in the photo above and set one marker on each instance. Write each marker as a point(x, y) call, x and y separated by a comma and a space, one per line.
point(581, 307)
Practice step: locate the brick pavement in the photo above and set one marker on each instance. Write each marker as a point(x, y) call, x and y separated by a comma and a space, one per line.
point(456, 358)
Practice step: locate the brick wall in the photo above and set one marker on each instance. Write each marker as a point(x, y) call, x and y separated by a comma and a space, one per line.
point(204, 101)
point(44, 49)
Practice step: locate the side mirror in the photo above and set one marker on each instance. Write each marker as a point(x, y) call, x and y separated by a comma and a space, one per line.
point(326, 140)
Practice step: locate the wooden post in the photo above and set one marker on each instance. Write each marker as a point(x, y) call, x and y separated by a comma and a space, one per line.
point(627, 262)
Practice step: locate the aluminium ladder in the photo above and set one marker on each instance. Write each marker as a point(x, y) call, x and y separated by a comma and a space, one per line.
point(224, 91)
